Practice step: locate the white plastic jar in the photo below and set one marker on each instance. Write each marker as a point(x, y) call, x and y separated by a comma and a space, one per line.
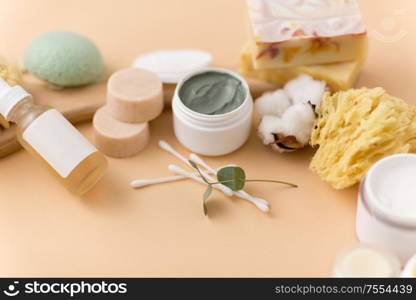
point(409, 270)
point(212, 135)
point(386, 212)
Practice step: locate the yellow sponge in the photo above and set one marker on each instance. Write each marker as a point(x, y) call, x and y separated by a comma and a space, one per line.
point(13, 76)
point(355, 128)
point(339, 76)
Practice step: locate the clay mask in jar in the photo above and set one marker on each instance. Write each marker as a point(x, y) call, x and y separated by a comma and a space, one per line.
point(212, 111)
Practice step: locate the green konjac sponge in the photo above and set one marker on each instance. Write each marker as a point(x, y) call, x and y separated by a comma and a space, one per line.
point(64, 59)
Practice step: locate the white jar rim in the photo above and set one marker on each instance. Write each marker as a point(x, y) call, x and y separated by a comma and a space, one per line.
point(217, 119)
point(374, 205)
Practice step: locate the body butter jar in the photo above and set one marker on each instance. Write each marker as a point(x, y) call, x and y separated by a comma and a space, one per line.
point(386, 212)
point(212, 111)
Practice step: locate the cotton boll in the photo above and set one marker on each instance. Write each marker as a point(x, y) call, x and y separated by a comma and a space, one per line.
point(272, 103)
point(298, 122)
point(267, 127)
point(271, 131)
point(305, 89)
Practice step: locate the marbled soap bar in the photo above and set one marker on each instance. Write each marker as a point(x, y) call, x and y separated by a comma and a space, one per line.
point(339, 76)
point(305, 32)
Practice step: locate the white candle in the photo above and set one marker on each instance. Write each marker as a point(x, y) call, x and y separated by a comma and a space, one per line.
point(366, 261)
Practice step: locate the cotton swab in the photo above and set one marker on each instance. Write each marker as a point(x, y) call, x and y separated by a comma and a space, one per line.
point(192, 176)
point(201, 162)
point(259, 202)
point(145, 182)
point(165, 146)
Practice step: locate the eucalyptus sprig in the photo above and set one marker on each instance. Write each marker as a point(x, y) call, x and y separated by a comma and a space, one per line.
point(233, 177)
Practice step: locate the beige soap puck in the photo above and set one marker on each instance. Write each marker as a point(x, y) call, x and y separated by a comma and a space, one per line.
point(134, 95)
point(118, 139)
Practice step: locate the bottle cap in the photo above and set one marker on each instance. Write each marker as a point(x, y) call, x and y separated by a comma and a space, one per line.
point(10, 96)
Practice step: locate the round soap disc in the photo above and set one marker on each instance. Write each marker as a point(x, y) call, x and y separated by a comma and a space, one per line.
point(118, 139)
point(135, 95)
point(172, 65)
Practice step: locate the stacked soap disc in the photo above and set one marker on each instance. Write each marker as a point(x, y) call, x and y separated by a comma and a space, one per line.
point(134, 97)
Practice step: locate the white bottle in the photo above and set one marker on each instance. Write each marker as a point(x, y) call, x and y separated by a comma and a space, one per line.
point(47, 135)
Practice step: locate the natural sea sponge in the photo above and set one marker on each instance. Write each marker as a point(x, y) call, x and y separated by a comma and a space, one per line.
point(64, 59)
point(356, 128)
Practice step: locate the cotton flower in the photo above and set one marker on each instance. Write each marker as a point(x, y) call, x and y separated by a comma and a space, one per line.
point(272, 103)
point(298, 121)
point(290, 132)
point(288, 114)
point(268, 126)
point(305, 89)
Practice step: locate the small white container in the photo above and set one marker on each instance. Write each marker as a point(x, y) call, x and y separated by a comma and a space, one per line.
point(212, 135)
point(386, 213)
point(365, 261)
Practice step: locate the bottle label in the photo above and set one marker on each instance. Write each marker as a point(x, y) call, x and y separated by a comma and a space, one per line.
point(58, 142)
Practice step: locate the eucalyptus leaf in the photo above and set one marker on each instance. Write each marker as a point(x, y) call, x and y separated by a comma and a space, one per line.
point(207, 193)
point(193, 164)
point(233, 177)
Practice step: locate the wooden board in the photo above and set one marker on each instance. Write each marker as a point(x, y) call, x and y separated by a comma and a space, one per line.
point(79, 104)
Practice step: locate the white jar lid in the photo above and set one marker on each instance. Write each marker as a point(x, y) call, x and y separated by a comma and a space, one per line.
point(172, 65)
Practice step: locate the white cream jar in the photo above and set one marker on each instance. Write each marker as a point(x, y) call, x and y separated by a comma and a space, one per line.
point(386, 212)
point(409, 270)
point(212, 134)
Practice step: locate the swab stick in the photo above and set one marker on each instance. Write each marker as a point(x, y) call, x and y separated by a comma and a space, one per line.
point(145, 182)
point(193, 176)
point(260, 203)
point(165, 146)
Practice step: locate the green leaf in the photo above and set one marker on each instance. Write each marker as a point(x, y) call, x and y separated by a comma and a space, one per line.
point(233, 177)
point(193, 164)
point(207, 193)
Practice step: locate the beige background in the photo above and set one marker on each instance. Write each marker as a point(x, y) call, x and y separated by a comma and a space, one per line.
point(160, 230)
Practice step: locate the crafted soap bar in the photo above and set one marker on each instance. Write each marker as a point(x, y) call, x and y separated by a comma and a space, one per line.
point(339, 76)
point(134, 95)
point(308, 32)
point(118, 139)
